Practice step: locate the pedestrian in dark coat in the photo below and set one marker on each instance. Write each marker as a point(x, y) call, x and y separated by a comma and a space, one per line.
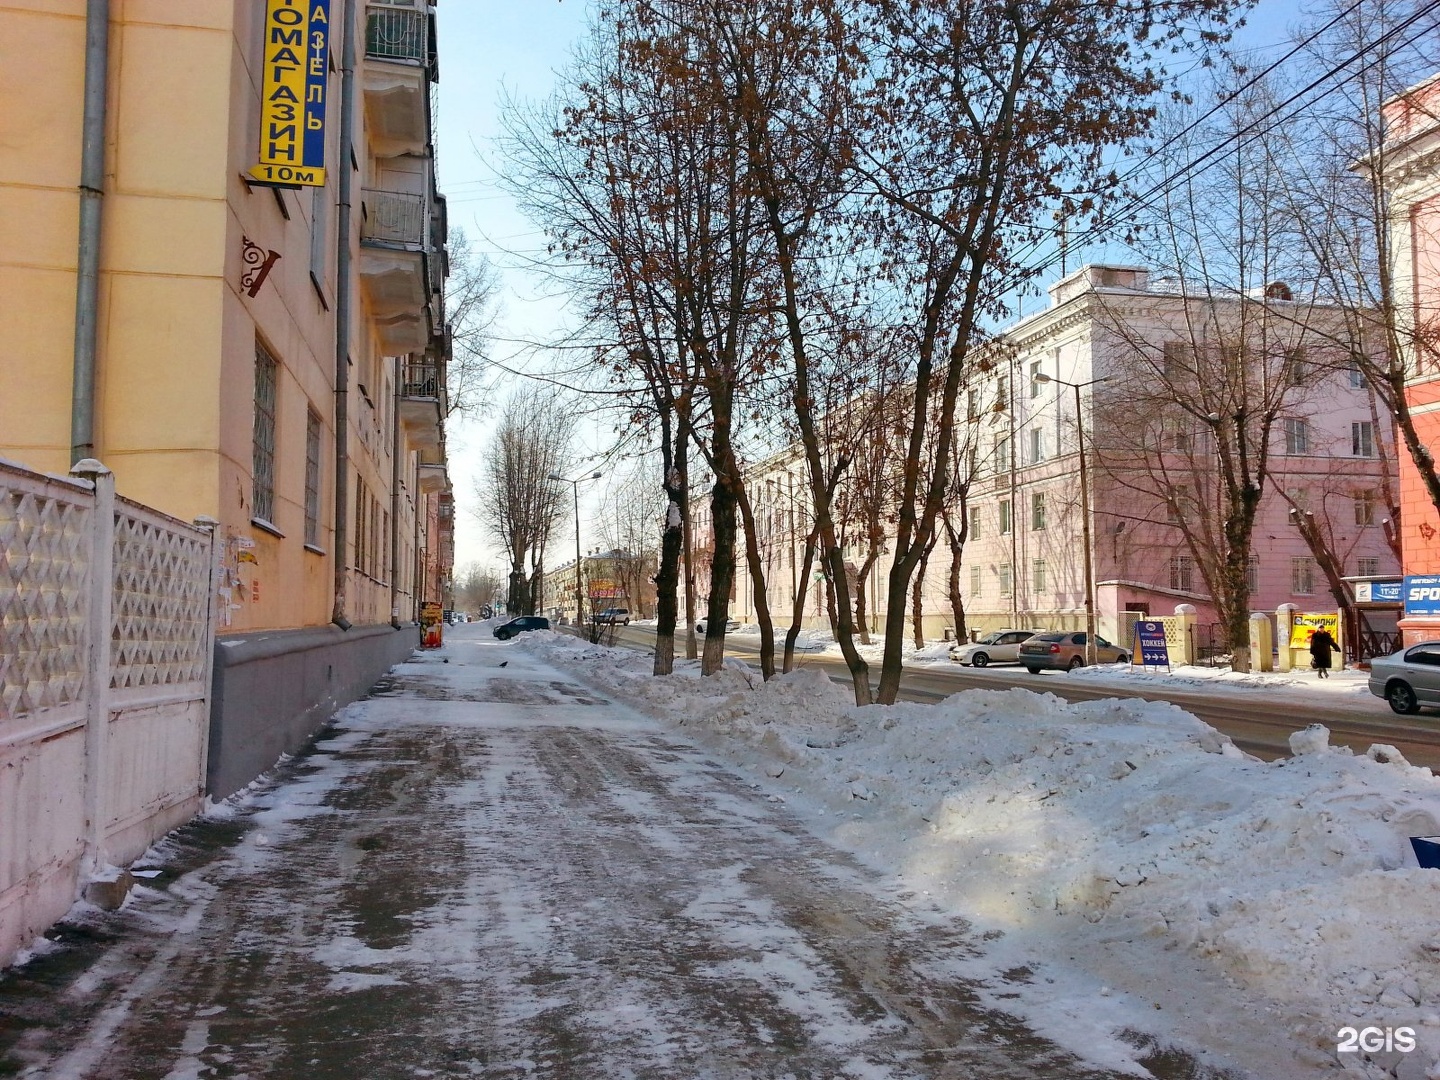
point(1322, 645)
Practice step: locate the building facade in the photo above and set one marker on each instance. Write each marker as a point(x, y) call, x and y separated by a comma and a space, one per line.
point(1411, 177)
point(272, 357)
point(1141, 354)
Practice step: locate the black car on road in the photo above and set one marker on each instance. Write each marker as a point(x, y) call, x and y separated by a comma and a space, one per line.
point(505, 631)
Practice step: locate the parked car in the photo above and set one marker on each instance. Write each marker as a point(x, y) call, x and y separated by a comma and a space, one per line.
point(1000, 647)
point(1065, 651)
point(730, 626)
point(614, 615)
point(1409, 678)
point(505, 631)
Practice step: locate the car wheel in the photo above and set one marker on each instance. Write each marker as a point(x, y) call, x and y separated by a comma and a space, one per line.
point(980, 659)
point(1032, 670)
point(1122, 659)
point(1074, 663)
point(1401, 698)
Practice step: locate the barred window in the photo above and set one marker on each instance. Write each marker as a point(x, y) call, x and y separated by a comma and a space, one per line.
point(1038, 574)
point(262, 495)
point(1302, 576)
point(1252, 573)
point(312, 478)
point(1007, 584)
point(1182, 573)
point(976, 581)
point(1367, 567)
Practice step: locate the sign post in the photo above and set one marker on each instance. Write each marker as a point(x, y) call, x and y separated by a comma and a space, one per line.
point(1150, 647)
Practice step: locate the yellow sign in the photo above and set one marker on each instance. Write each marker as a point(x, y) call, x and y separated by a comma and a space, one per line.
point(1303, 624)
point(294, 78)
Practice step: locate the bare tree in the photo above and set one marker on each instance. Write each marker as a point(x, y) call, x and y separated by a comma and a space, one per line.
point(470, 306)
point(516, 501)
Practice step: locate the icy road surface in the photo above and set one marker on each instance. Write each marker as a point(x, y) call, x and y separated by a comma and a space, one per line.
point(495, 872)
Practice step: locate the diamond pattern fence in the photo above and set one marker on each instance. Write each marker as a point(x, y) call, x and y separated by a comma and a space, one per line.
point(106, 640)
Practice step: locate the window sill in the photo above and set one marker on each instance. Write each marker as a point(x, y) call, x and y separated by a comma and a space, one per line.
point(314, 550)
point(265, 526)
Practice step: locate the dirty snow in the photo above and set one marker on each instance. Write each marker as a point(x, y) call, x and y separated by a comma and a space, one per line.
point(1126, 835)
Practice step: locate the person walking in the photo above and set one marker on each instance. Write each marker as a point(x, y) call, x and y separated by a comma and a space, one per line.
point(1322, 647)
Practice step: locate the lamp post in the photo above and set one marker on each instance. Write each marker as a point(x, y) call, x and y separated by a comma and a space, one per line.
point(579, 593)
point(1084, 510)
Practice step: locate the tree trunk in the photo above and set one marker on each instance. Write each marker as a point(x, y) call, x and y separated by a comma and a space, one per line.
point(672, 542)
point(956, 540)
point(861, 617)
point(802, 592)
point(758, 583)
point(723, 500)
point(917, 595)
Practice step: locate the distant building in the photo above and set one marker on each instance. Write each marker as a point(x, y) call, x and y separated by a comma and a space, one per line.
point(221, 385)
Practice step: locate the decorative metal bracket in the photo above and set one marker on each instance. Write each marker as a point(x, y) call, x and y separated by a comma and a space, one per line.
point(259, 261)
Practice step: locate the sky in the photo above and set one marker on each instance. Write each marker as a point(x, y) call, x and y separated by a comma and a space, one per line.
point(491, 51)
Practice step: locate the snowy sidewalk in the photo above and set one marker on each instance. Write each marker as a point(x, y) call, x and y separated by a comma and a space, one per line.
point(488, 869)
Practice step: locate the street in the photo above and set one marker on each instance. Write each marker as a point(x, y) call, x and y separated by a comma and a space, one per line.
point(481, 872)
point(1258, 724)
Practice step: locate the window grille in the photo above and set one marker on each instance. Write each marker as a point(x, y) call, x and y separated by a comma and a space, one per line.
point(1007, 585)
point(1038, 573)
point(1367, 567)
point(262, 497)
point(976, 581)
point(1302, 576)
point(1182, 573)
point(312, 479)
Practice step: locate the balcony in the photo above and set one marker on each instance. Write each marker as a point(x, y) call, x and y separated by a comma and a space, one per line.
point(399, 64)
point(394, 268)
point(433, 477)
point(422, 398)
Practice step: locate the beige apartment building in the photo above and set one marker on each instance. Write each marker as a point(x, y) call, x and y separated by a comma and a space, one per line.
point(272, 357)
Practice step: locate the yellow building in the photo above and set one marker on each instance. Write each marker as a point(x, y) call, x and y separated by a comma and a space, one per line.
point(270, 357)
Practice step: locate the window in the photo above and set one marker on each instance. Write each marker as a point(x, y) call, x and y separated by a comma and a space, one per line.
point(1302, 576)
point(972, 405)
point(361, 504)
point(319, 241)
point(1252, 572)
point(312, 478)
point(1037, 510)
point(1037, 445)
point(1177, 359)
point(974, 522)
point(1007, 584)
point(1176, 438)
point(1177, 504)
point(1296, 370)
point(1035, 383)
point(1364, 508)
point(262, 497)
point(976, 581)
point(1002, 454)
point(1367, 567)
point(1002, 393)
point(974, 460)
point(1362, 438)
point(1357, 377)
point(1037, 573)
point(1297, 436)
point(1005, 517)
point(1182, 573)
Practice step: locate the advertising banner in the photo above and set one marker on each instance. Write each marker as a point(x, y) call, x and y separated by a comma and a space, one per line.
point(1150, 646)
point(294, 78)
point(603, 589)
point(1303, 624)
point(1378, 592)
point(1422, 594)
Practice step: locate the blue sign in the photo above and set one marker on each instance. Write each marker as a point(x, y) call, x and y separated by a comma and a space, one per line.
point(1150, 643)
point(1378, 592)
point(1422, 594)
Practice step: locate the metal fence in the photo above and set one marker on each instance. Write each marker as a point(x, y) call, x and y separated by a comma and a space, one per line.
point(394, 217)
point(396, 33)
point(106, 641)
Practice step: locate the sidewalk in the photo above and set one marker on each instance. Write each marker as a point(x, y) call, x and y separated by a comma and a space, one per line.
point(489, 869)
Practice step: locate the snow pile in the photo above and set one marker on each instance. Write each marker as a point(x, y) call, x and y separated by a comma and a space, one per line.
point(1118, 822)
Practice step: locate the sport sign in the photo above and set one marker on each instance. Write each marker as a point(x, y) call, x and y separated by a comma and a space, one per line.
point(1422, 594)
point(1150, 644)
point(294, 74)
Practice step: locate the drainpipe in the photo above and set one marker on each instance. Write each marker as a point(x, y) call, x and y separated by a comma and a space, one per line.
point(395, 499)
point(342, 317)
point(92, 194)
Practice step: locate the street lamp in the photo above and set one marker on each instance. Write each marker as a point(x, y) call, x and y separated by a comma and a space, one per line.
point(579, 595)
point(1041, 377)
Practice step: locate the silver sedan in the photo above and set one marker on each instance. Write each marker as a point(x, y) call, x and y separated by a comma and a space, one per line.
point(1409, 678)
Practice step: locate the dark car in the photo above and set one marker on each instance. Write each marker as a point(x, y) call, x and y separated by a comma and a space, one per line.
point(1066, 651)
point(1409, 678)
point(505, 631)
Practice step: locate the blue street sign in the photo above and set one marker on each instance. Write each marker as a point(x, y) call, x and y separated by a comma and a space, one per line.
point(1150, 643)
point(1422, 594)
